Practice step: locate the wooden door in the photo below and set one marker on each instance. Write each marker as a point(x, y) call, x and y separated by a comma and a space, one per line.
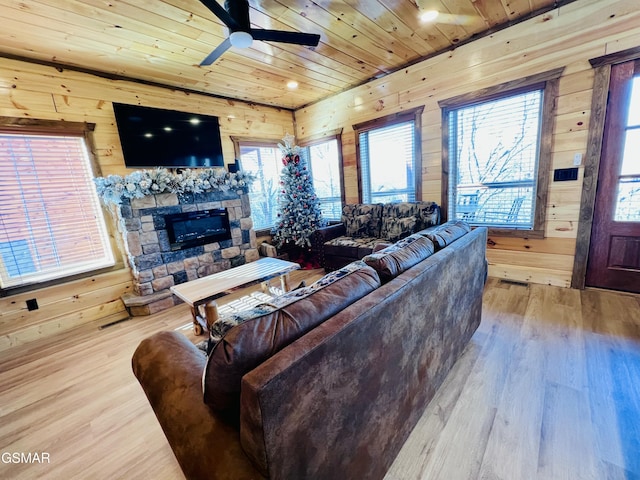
point(614, 255)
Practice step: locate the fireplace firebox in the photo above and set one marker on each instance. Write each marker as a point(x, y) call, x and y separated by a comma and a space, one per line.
point(190, 229)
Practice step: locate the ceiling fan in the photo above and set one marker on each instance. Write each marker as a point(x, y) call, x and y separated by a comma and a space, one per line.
point(235, 15)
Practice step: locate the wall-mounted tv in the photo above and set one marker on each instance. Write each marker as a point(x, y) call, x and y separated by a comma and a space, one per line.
point(154, 137)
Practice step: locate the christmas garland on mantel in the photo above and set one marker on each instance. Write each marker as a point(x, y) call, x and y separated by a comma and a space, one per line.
point(112, 189)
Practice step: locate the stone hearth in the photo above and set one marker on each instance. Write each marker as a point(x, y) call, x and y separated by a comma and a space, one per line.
point(156, 268)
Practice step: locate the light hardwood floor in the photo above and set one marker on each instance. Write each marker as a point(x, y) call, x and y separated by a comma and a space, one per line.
point(548, 388)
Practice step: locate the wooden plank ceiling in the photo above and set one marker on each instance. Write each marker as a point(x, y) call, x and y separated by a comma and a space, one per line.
point(164, 41)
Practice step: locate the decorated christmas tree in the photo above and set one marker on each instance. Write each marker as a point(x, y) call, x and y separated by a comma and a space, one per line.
point(299, 212)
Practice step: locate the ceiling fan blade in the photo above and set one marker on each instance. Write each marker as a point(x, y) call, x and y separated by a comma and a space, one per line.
point(217, 53)
point(282, 36)
point(221, 13)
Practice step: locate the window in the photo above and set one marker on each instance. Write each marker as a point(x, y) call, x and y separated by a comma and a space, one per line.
point(494, 152)
point(628, 196)
point(324, 159)
point(51, 223)
point(390, 158)
point(496, 155)
point(264, 160)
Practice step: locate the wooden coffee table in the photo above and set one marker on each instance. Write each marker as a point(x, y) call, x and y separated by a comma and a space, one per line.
point(201, 294)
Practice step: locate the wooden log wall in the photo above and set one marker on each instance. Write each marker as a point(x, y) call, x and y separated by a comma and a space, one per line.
point(567, 37)
point(40, 92)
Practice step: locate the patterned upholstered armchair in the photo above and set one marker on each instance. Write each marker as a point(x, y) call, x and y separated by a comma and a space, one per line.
point(364, 226)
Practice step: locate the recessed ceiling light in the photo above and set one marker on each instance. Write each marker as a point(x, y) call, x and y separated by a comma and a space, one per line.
point(167, 129)
point(429, 15)
point(194, 121)
point(291, 85)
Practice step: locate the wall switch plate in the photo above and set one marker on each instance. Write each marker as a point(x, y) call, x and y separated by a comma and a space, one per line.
point(577, 159)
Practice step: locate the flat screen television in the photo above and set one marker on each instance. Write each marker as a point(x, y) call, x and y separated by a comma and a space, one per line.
point(154, 137)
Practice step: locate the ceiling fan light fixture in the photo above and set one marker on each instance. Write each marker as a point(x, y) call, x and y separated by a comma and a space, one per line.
point(235, 15)
point(241, 39)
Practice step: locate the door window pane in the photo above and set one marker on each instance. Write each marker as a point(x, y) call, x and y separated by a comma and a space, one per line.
point(628, 201)
point(628, 197)
point(634, 105)
point(631, 158)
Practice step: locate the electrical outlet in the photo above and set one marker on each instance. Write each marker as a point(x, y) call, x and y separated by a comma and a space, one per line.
point(32, 304)
point(577, 159)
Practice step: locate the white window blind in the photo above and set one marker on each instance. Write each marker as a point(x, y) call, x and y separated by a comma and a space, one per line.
point(51, 223)
point(387, 161)
point(494, 151)
point(323, 159)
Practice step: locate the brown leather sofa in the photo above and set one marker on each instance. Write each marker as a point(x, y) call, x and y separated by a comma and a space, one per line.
point(340, 401)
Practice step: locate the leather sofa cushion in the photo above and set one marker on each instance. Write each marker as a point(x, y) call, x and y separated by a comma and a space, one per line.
point(248, 339)
point(395, 259)
point(445, 234)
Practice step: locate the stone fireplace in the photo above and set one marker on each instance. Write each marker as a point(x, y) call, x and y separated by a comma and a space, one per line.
point(157, 264)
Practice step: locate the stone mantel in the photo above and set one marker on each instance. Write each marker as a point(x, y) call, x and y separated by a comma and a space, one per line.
point(156, 268)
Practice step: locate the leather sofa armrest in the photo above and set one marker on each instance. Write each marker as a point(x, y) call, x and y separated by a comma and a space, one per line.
point(322, 235)
point(206, 444)
point(327, 233)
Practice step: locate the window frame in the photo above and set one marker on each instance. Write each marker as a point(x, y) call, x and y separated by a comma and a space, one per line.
point(337, 136)
point(413, 115)
point(548, 82)
point(84, 130)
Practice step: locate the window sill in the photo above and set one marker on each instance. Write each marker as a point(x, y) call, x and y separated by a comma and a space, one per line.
point(29, 287)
